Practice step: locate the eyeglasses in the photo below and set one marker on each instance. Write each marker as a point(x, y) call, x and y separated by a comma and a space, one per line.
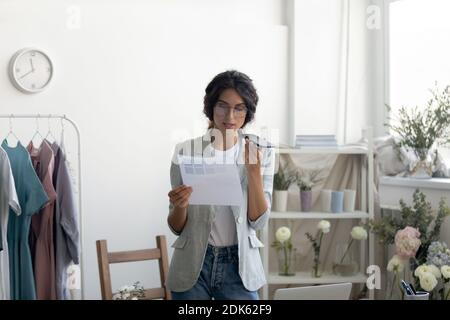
point(222, 109)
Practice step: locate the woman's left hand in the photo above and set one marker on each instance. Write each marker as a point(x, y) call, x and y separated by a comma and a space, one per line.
point(253, 156)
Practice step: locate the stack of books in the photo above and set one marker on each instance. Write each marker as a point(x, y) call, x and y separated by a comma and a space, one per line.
point(315, 141)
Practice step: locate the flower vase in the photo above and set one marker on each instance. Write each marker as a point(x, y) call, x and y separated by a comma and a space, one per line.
point(345, 264)
point(316, 272)
point(422, 168)
point(306, 200)
point(286, 261)
point(280, 200)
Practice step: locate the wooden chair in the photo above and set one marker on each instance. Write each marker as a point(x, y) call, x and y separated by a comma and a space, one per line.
point(105, 258)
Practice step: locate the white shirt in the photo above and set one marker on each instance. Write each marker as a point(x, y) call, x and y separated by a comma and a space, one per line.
point(8, 198)
point(223, 230)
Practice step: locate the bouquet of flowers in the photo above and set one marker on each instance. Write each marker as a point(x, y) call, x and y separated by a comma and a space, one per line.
point(419, 216)
point(435, 274)
point(304, 183)
point(414, 232)
point(133, 292)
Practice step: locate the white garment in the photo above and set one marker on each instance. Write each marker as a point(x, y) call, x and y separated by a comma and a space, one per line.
point(223, 230)
point(8, 198)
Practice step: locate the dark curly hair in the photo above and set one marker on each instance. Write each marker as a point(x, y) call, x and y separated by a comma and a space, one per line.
point(230, 79)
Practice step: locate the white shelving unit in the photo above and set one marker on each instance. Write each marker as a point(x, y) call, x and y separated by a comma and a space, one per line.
point(367, 201)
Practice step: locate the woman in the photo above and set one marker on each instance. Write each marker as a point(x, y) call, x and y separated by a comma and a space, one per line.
point(216, 255)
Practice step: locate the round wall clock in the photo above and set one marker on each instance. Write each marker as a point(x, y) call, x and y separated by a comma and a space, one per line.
point(30, 70)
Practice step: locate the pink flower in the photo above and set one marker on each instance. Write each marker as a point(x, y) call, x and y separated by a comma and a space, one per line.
point(407, 242)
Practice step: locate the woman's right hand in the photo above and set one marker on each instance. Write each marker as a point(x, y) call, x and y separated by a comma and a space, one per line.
point(179, 196)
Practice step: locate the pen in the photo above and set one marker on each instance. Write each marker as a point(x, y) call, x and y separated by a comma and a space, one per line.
point(412, 288)
point(407, 288)
point(259, 145)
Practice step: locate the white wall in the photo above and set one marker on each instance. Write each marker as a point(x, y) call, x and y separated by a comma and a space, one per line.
point(131, 76)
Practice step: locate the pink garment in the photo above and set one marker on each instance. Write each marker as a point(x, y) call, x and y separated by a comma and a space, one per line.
point(41, 231)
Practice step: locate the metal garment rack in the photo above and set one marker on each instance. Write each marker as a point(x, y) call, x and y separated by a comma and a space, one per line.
point(63, 117)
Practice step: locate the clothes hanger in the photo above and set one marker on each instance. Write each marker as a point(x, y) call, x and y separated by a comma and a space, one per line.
point(11, 132)
point(38, 132)
point(49, 133)
point(61, 145)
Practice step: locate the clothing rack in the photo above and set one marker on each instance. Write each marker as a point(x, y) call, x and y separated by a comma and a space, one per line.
point(63, 117)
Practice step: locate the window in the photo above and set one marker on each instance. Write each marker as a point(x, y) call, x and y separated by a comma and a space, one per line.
point(419, 52)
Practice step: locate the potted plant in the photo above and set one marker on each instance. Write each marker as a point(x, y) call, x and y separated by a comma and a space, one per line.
point(306, 179)
point(305, 186)
point(420, 130)
point(281, 182)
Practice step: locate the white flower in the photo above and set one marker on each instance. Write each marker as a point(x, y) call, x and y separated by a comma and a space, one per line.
point(396, 264)
point(124, 289)
point(428, 268)
point(435, 271)
point(134, 298)
point(445, 270)
point(428, 281)
point(421, 270)
point(283, 234)
point(324, 225)
point(359, 233)
point(117, 296)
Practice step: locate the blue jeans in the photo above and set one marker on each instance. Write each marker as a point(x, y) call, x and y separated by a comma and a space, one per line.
point(219, 278)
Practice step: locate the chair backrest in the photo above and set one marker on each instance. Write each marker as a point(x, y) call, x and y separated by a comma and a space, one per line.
point(338, 291)
point(105, 258)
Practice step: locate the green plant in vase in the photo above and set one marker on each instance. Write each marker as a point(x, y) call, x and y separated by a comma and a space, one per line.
point(281, 182)
point(420, 129)
point(323, 227)
point(285, 251)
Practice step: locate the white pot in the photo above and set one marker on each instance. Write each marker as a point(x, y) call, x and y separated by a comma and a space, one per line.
point(349, 200)
point(325, 200)
point(279, 200)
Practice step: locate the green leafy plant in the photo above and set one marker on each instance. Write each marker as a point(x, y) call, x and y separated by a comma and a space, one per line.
point(306, 179)
point(419, 130)
point(420, 216)
point(304, 183)
point(283, 179)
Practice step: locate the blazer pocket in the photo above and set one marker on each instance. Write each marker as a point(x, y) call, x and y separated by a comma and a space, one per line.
point(254, 241)
point(180, 243)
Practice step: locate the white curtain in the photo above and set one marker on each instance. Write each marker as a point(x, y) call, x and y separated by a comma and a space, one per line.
point(336, 71)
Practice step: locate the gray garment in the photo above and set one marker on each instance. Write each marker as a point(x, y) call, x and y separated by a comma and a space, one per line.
point(191, 244)
point(67, 236)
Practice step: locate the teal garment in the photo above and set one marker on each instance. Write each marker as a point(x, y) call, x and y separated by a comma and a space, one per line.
point(32, 197)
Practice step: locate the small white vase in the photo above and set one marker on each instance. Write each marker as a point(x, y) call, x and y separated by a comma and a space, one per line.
point(349, 200)
point(279, 200)
point(325, 200)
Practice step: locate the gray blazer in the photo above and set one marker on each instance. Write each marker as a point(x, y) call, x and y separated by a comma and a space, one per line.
point(191, 244)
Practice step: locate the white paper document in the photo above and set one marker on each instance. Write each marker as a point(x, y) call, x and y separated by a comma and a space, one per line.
point(212, 183)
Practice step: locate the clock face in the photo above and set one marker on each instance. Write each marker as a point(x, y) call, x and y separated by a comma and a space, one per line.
point(31, 70)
